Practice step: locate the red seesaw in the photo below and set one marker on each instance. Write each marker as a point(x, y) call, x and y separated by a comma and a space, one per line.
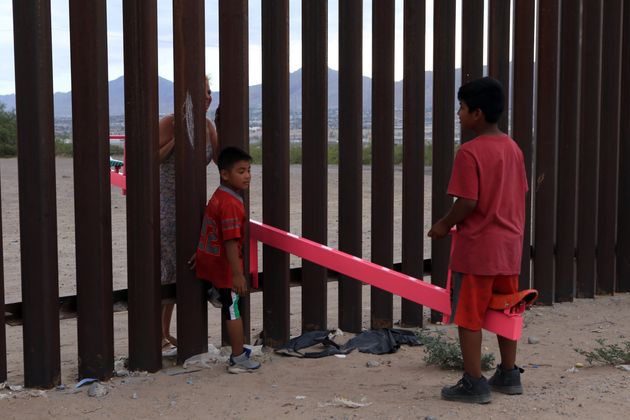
point(118, 169)
point(503, 323)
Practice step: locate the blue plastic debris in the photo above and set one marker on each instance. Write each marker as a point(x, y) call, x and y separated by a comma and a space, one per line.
point(85, 381)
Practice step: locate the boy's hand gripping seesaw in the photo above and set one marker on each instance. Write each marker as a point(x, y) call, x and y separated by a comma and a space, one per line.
point(507, 323)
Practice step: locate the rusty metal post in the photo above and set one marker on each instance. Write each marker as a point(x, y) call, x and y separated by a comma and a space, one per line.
point(3, 336)
point(382, 215)
point(413, 153)
point(315, 161)
point(143, 184)
point(590, 88)
point(190, 172)
point(92, 191)
point(546, 144)
point(234, 130)
point(499, 51)
point(443, 132)
point(350, 156)
point(609, 148)
point(569, 107)
point(623, 227)
point(522, 113)
point(275, 96)
point(472, 48)
point(36, 179)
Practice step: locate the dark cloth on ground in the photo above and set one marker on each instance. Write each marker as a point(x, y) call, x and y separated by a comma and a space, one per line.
point(381, 341)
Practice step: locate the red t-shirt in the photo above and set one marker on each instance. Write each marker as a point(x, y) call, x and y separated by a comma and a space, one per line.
point(491, 170)
point(223, 220)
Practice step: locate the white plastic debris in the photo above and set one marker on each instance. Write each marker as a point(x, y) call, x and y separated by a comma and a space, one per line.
point(37, 393)
point(97, 390)
point(300, 397)
point(623, 367)
point(345, 402)
point(208, 359)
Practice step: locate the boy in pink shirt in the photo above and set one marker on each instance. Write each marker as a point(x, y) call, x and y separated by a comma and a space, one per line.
point(489, 183)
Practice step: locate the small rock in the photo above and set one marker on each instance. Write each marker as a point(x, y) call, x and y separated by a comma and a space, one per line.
point(623, 367)
point(373, 363)
point(97, 390)
point(189, 381)
point(16, 388)
point(533, 340)
point(134, 396)
point(61, 387)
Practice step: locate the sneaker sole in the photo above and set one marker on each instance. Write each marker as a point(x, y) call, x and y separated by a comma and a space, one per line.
point(508, 390)
point(475, 399)
point(236, 370)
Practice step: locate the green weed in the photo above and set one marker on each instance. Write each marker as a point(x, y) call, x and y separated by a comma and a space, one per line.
point(608, 354)
point(445, 352)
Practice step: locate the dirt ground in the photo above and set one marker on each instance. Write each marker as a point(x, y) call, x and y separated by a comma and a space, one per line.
point(401, 386)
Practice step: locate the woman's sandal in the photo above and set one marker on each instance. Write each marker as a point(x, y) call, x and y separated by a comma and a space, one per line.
point(166, 344)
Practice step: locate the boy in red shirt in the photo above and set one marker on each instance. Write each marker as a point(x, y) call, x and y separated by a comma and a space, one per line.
point(489, 184)
point(219, 256)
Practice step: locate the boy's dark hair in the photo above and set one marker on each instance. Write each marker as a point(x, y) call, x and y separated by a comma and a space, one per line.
point(485, 94)
point(230, 155)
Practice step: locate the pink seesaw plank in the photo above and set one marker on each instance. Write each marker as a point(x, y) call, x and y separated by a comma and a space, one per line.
point(392, 281)
point(118, 179)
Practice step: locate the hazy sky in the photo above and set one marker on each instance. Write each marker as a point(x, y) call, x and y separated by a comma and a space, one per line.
point(61, 40)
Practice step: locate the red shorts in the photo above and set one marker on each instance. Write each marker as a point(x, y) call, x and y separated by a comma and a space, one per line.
point(470, 296)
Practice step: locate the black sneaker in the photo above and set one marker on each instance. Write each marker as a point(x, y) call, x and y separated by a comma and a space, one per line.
point(507, 381)
point(469, 390)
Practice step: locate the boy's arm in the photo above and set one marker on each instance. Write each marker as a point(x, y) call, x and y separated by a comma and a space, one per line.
point(460, 210)
point(239, 285)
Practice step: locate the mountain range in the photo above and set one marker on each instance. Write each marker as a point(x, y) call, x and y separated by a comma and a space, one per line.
point(63, 100)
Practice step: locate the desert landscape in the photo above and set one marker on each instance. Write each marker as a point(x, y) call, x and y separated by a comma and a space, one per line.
point(558, 381)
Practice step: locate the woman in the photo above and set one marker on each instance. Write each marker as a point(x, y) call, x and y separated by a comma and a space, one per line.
point(167, 204)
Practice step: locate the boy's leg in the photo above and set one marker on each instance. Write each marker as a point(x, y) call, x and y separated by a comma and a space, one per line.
point(507, 378)
point(468, 303)
point(470, 342)
point(507, 348)
point(239, 359)
point(236, 336)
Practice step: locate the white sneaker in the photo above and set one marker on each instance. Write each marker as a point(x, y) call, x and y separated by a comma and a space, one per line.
point(242, 363)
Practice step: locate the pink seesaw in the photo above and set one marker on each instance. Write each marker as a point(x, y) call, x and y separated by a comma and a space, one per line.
point(503, 323)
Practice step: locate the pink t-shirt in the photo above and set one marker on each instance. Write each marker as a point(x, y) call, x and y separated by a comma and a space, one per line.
point(491, 170)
